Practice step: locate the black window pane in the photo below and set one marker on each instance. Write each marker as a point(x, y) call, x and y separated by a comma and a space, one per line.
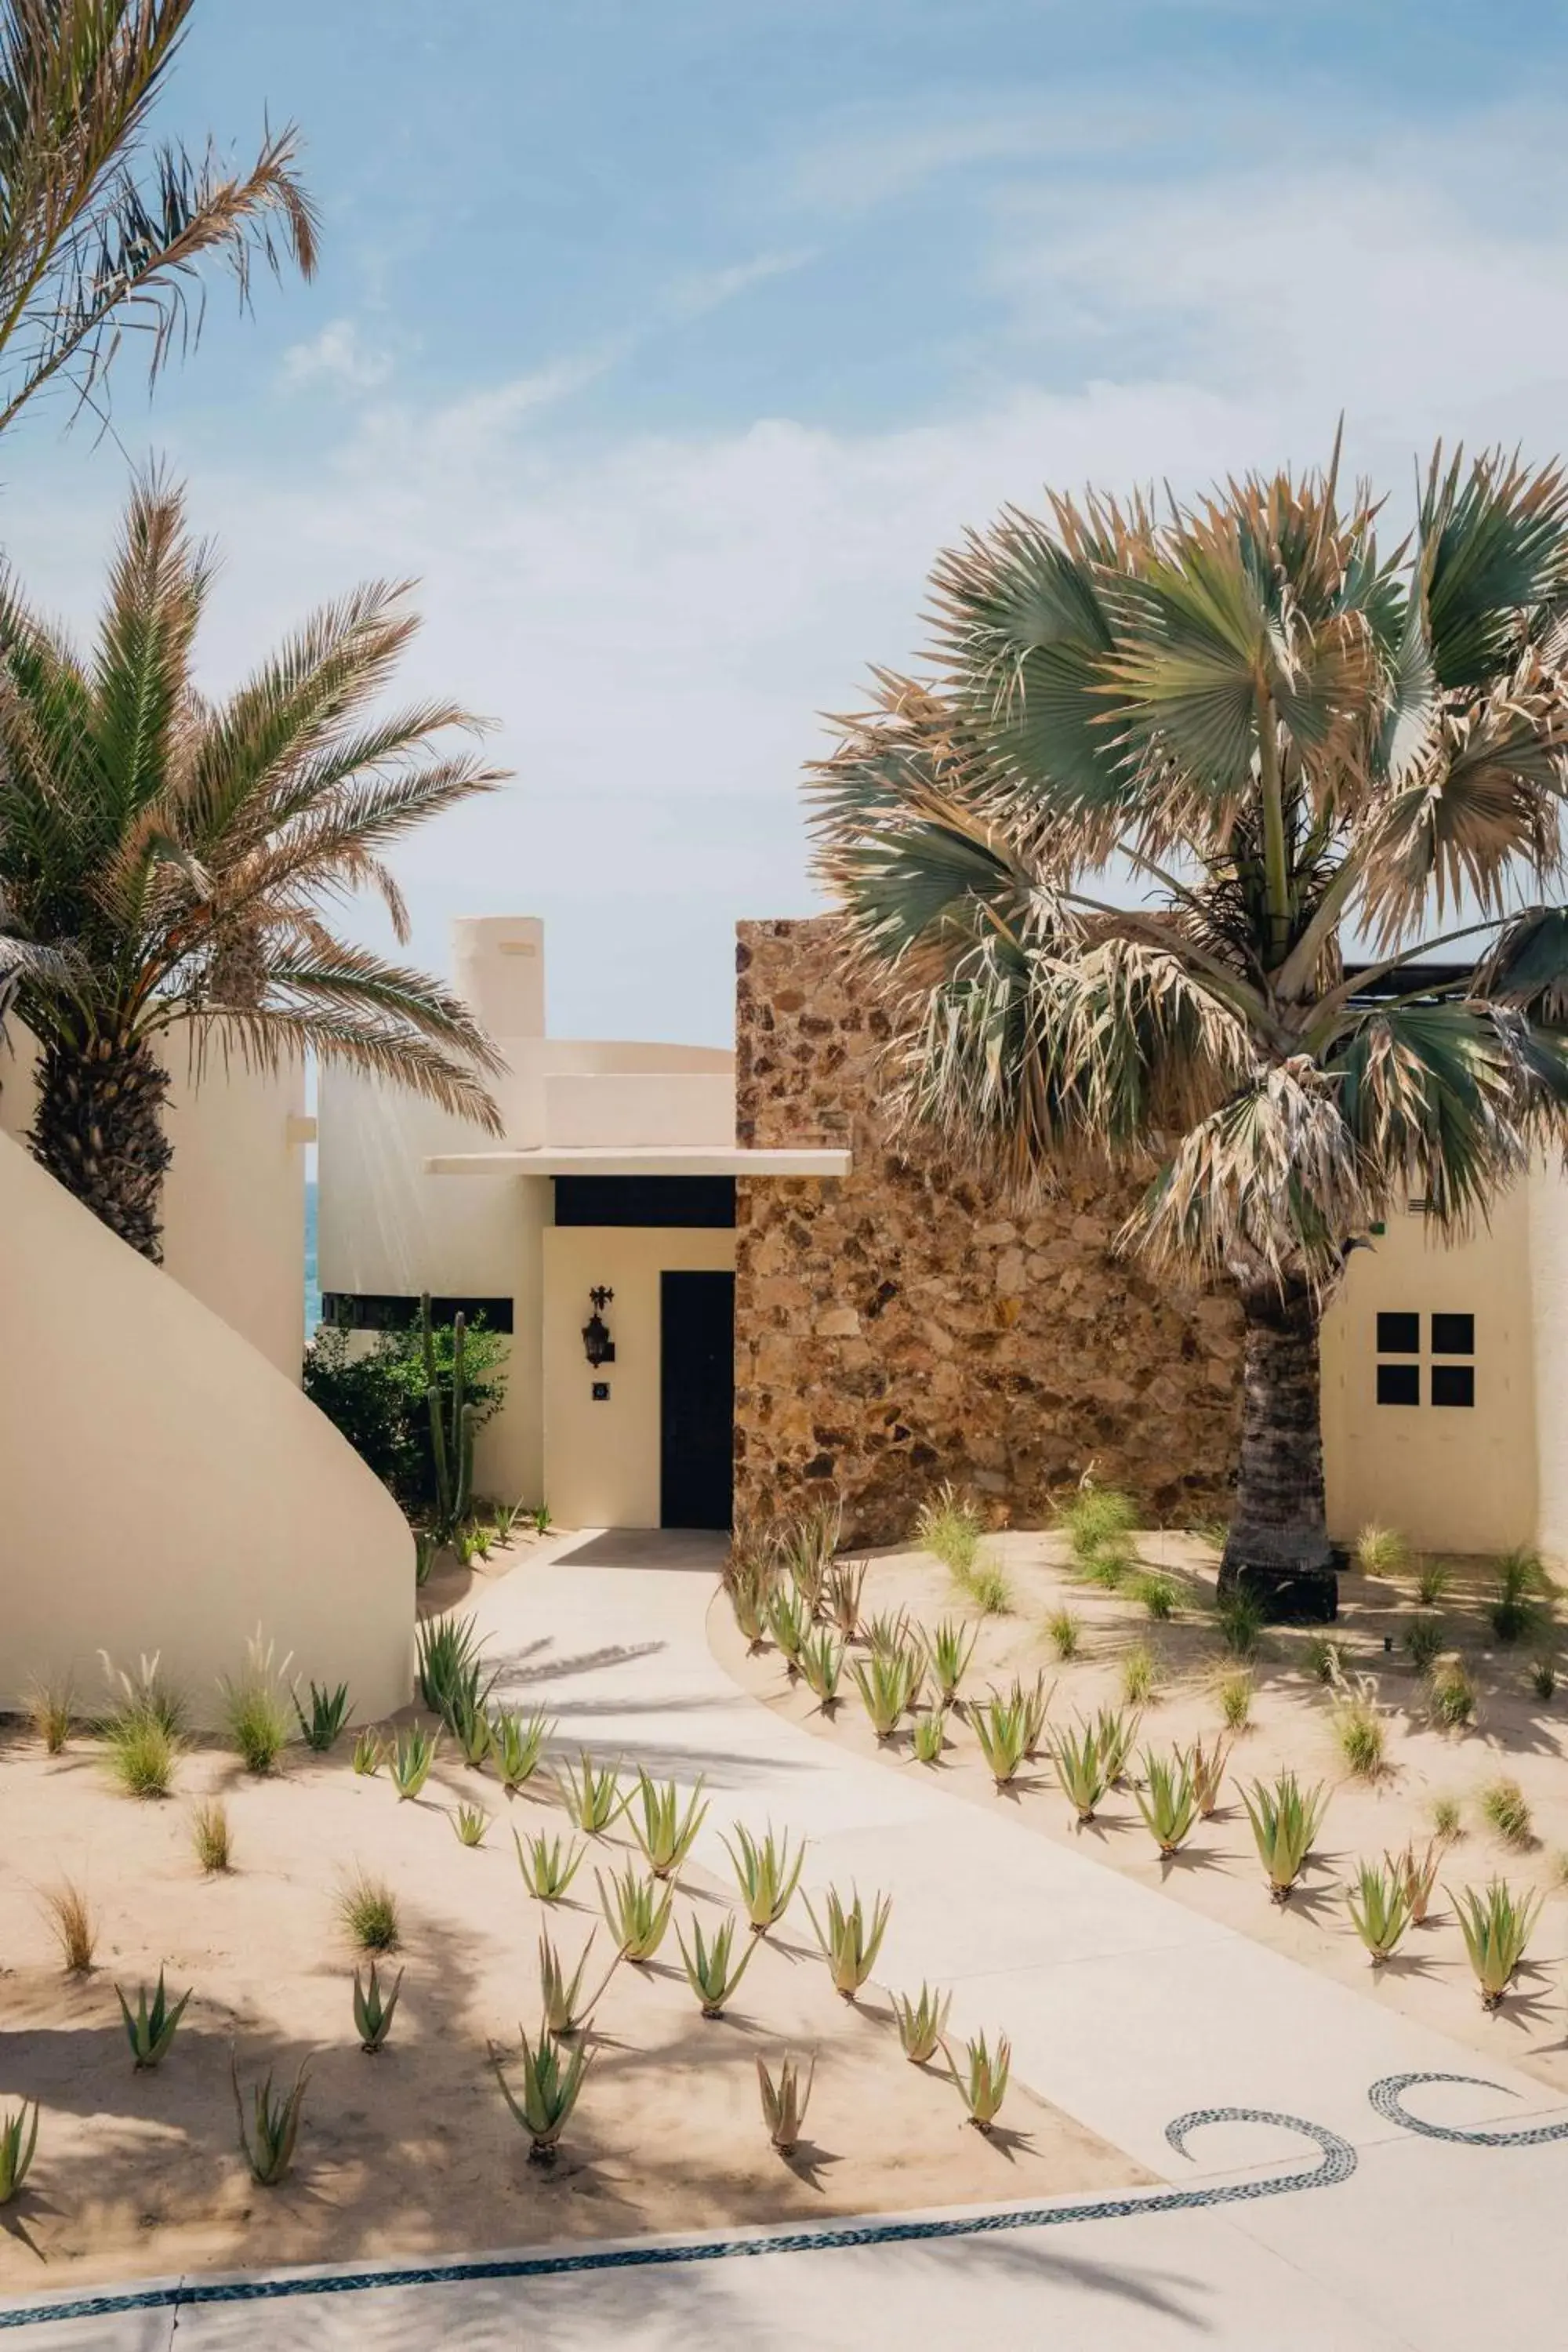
point(1453, 1335)
point(1399, 1335)
point(1399, 1384)
point(1453, 1384)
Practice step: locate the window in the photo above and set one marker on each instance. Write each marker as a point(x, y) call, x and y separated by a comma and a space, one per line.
point(366, 1310)
point(704, 1200)
point(1453, 1335)
point(1453, 1384)
point(1399, 1335)
point(1399, 1384)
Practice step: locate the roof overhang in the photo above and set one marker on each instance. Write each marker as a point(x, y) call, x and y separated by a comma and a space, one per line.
point(639, 1159)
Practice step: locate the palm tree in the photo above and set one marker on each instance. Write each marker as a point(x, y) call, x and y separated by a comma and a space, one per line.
point(90, 244)
point(167, 861)
point(1279, 740)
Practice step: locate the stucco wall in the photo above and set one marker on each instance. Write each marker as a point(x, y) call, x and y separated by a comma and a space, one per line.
point(602, 1461)
point(899, 1326)
point(1546, 1210)
point(167, 1489)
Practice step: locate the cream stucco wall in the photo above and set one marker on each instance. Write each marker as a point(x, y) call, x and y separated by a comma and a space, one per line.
point(165, 1488)
point(602, 1461)
point(1449, 1479)
point(1547, 1217)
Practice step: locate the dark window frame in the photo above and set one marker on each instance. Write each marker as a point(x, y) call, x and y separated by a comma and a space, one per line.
point(1454, 1384)
point(1453, 1335)
point(391, 1311)
point(1398, 1332)
point(705, 1203)
point(1399, 1384)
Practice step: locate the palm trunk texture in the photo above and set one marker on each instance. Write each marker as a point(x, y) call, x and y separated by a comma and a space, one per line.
point(1277, 1548)
point(98, 1130)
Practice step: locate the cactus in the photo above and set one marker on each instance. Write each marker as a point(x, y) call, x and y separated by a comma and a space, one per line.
point(451, 1429)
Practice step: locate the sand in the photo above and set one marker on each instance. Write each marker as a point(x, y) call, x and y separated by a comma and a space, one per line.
point(411, 2151)
point(1516, 1735)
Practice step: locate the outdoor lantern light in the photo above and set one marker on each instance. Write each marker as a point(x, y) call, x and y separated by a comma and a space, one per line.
point(597, 1344)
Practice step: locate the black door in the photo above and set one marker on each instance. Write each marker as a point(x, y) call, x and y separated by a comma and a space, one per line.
point(697, 1398)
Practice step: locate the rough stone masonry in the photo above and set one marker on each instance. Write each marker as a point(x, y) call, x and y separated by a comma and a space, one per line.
point(904, 1324)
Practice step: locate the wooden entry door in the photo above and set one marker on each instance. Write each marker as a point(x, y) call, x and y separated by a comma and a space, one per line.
point(697, 1400)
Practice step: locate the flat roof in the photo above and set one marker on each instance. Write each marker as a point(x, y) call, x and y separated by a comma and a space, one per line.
point(639, 1159)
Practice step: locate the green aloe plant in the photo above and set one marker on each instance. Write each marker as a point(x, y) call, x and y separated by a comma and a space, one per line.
point(949, 1649)
point(708, 1969)
point(927, 1735)
point(474, 1737)
point(1417, 1874)
point(1497, 1928)
point(548, 1865)
point(636, 1912)
point(593, 1798)
point(269, 2137)
point(1080, 1768)
point(470, 1823)
point(329, 1713)
point(748, 1582)
point(887, 1632)
point(373, 2013)
point(789, 1624)
point(785, 2103)
point(1115, 1729)
point(983, 2085)
point(152, 2026)
point(1285, 1820)
point(851, 1939)
point(1000, 1727)
point(885, 1681)
point(552, 2081)
point(369, 1751)
point(822, 1668)
point(450, 1670)
point(665, 1830)
point(1379, 1908)
point(516, 1742)
point(921, 2023)
point(841, 1598)
point(766, 1875)
point(18, 2146)
point(1168, 1800)
point(566, 2007)
point(1207, 1767)
point(410, 1760)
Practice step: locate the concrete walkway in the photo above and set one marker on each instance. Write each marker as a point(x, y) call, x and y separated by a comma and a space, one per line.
point(1318, 2218)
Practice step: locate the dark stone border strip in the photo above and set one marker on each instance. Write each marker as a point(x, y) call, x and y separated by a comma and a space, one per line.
point(1387, 2098)
point(1338, 2162)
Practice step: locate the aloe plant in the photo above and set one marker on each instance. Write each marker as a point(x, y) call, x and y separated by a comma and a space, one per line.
point(929, 1735)
point(550, 2090)
point(410, 1760)
point(1080, 1769)
point(592, 1799)
point(564, 2006)
point(708, 1971)
point(846, 1583)
point(1285, 1820)
point(1417, 1874)
point(851, 1940)
point(785, 2103)
point(636, 1912)
point(329, 1713)
point(748, 1585)
point(1002, 1731)
point(1207, 1768)
point(1115, 1729)
point(268, 2138)
point(1379, 1910)
point(885, 1681)
point(372, 2013)
point(450, 1671)
point(921, 2023)
point(822, 1668)
point(368, 1751)
point(152, 2027)
point(18, 2146)
point(949, 1649)
point(766, 1877)
point(664, 1833)
point(474, 1737)
point(983, 2085)
point(1168, 1800)
point(1497, 1928)
point(548, 1868)
point(789, 1625)
point(470, 1823)
point(887, 1632)
point(516, 1742)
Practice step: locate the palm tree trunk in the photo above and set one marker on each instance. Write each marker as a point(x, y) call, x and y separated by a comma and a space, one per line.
point(98, 1130)
point(1277, 1548)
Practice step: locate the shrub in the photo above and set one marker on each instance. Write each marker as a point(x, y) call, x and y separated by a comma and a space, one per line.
point(949, 1527)
point(142, 1697)
point(1519, 1596)
point(549, 2091)
point(1359, 1730)
point(983, 2085)
point(708, 1969)
point(594, 1799)
point(470, 1823)
point(1239, 1620)
point(948, 1652)
point(1433, 1577)
point(142, 1753)
point(372, 2014)
point(1168, 1800)
point(254, 1711)
point(803, 1546)
point(1504, 1808)
point(1424, 1642)
point(51, 1712)
point(410, 1760)
point(766, 1877)
point(1447, 1821)
point(636, 1912)
point(149, 2028)
point(18, 2145)
point(1098, 1521)
point(989, 1590)
point(1066, 1633)
point(329, 1713)
point(1236, 1700)
point(1115, 1728)
point(448, 1654)
point(268, 2138)
point(785, 2103)
point(1497, 1928)
point(548, 1867)
point(475, 1738)
point(210, 1837)
point(1379, 1908)
point(921, 2023)
point(1285, 1820)
point(1453, 1696)
point(1140, 1675)
point(1111, 1568)
point(852, 1938)
point(1080, 1769)
point(666, 1831)
point(1543, 1678)
point(368, 1910)
point(378, 1398)
point(1381, 1551)
point(1158, 1594)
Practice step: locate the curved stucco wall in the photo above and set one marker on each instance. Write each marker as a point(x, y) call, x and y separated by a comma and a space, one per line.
point(162, 1487)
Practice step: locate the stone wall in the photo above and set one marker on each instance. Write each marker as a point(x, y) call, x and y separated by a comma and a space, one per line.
point(901, 1325)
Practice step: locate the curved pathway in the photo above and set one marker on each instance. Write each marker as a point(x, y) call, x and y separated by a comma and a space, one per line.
point(1241, 2079)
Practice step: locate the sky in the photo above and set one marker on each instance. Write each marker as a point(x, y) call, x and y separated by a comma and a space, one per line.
point(665, 347)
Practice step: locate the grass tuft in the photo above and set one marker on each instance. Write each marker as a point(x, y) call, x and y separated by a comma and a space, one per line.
point(1140, 1675)
point(1543, 1678)
point(949, 1526)
point(51, 1712)
point(1453, 1696)
point(1239, 1620)
point(142, 1753)
point(367, 1908)
point(1066, 1633)
point(211, 1839)
point(1381, 1551)
point(1433, 1579)
point(1424, 1642)
point(69, 1914)
point(1234, 1693)
point(1504, 1808)
point(1447, 1818)
point(254, 1707)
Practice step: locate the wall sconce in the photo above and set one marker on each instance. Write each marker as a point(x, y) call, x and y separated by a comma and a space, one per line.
point(597, 1344)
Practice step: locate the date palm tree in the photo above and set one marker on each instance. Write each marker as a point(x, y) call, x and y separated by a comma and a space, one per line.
point(96, 235)
point(170, 863)
point(1282, 742)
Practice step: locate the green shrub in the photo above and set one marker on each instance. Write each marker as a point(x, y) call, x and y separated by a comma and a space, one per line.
point(450, 1671)
point(372, 2014)
point(18, 2145)
point(368, 1752)
point(69, 1914)
point(1417, 1874)
point(929, 1735)
point(1158, 1594)
point(51, 1712)
point(1453, 1696)
point(921, 2023)
point(564, 2005)
point(886, 1683)
point(470, 1823)
point(150, 2026)
point(548, 1867)
point(949, 1527)
point(1358, 1725)
point(822, 1668)
point(1140, 1675)
point(948, 1652)
point(852, 1938)
point(368, 1910)
point(269, 2137)
point(1381, 1551)
point(1424, 1642)
point(1240, 1620)
point(1433, 1579)
point(1447, 1819)
point(983, 2085)
point(989, 1590)
point(667, 1831)
point(785, 2103)
point(1168, 1799)
point(549, 2091)
point(636, 1912)
point(1099, 1522)
point(1519, 1596)
point(1002, 1728)
point(1066, 1633)
point(516, 1742)
point(709, 1968)
point(410, 1760)
point(141, 1756)
point(766, 1875)
point(254, 1708)
point(1080, 1769)
point(1503, 1806)
point(1325, 1657)
point(1235, 1693)
point(377, 1397)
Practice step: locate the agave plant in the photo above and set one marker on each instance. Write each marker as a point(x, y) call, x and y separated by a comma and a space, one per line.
point(664, 1833)
point(921, 2023)
point(515, 1744)
point(329, 1713)
point(949, 1650)
point(1207, 1768)
point(885, 1681)
point(1497, 1928)
point(789, 1625)
point(410, 1760)
point(566, 2007)
point(636, 1912)
point(846, 1584)
point(822, 1668)
point(766, 1875)
point(1285, 1820)
point(983, 2085)
point(551, 2079)
point(591, 1798)
point(373, 2013)
point(1417, 1874)
point(18, 2145)
point(151, 2028)
point(547, 1865)
point(851, 1939)
point(1168, 1800)
point(1080, 1768)
point(1379, 1910)
point(1002, 1731)
point(785, 2103)
point(268, 2140)
point(708, 1969)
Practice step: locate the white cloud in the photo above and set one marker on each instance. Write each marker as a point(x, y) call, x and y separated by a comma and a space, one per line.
point(709, 289)
point(338, 355)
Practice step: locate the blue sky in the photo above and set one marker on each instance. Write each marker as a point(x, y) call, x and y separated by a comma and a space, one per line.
point(666, 344)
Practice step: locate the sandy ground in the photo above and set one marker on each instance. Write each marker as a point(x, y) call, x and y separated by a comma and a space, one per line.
point(1515, 1734)
point(413, 2150)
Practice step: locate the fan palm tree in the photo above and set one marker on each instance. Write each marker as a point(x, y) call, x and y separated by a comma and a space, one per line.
point(1277, 738)
point(90, 243)
point(167, 862)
